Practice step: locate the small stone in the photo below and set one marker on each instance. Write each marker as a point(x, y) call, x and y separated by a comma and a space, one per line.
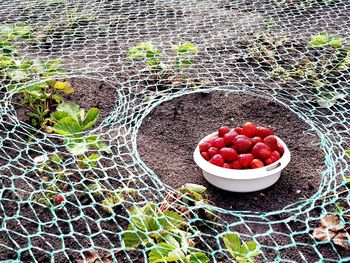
point(298, 191)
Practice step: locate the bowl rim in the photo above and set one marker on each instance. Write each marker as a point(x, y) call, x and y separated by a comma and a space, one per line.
point(237, 174)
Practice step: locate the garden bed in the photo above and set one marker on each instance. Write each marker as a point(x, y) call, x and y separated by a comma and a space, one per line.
point(93, 39)
point(168, 136)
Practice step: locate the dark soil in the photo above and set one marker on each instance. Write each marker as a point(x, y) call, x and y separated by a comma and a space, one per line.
point(169, 135)
point(16, 155)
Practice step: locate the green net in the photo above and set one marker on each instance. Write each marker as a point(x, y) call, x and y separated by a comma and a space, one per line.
point(73, 186)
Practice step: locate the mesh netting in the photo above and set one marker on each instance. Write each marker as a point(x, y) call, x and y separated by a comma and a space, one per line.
point(259, 48)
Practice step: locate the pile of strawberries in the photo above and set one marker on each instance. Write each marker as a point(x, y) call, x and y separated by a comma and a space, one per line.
point(245, 147)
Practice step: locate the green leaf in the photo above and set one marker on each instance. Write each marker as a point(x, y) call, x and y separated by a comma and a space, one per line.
point(170, 219)
point(35, 90)
point(78, 148)
point(347, 179)
point(134, 239)
point(63, 86)
point(112, 200)
point(67, 126)
point(53, 64)
point(58, 98)
point(185, 48)
point(325, 40)
point(67, 90)
point(181, 64)
point(102, 147)
point(18, 74)
point(197, 188)
point(92, 139)
point(143, 51)
point(347, 152)
point(19, 31)
point(232, 242)
point(5, 62)
point(60, 85)
point(250, 249)
point(171, 240)
point(339, 209)
point(328, 100)
point(145, 218)
point(198, 257)
point(47, 68)
point(55, 158)
point(92, 159)
point(160, 253)
point(72, 109)
point(90, 118)
point(58, 115)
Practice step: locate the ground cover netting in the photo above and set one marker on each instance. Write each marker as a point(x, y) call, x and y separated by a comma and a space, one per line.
point(67, 197)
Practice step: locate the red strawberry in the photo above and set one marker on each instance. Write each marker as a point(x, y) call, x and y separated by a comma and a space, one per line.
point(218, 143)
point(217, 160)
point(58, 199)
point(257, 163)
point(229, 137)
point(249, 129)
point(212, 151)
point(256, 139)
point(205, 155)
point(271, 141)
point(241, 136)
point(261, 151)
point(238, 130)
point(245, 159)
point(226, 165)
point(270, 160)
point(228, 154)
point(235, 165)
point(276, 154)
point(223, 130)
point(280, 148)
point(263, 132)
point(204, 146)
point(242, 144)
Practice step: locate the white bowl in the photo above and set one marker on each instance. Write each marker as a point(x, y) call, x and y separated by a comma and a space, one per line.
point(242, 181)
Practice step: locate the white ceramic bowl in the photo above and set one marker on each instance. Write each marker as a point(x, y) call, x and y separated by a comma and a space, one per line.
point(242, 181)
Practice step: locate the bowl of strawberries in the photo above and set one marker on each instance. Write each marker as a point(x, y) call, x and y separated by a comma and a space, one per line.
point(244, 159)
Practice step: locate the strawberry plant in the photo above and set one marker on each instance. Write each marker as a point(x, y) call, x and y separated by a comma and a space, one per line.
point(18, 31)
point(110, 198)
point(316, 69)
point(42, 98)
point(241, 252)
point(147, 224)
point(162, 232)
point(188, 196)
point(64, 27)
point(302, 4)
point(54, 179)
point(52, 193)
point(71, 121)
point(263, 47)
point(17, 72)
point(165, 72)
point(332, 57)
point(176, 249)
